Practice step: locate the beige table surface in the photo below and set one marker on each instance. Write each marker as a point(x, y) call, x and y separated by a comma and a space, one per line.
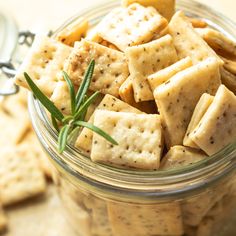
point(45, 218)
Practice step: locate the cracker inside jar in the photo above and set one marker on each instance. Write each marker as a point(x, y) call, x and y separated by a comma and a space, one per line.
point(160, 76)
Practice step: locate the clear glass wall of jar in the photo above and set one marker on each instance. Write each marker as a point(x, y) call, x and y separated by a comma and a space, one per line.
point(198, 200)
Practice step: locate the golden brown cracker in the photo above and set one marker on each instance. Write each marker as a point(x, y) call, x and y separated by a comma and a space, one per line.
point(165, 7)
point(111, 69)
point(73, 32)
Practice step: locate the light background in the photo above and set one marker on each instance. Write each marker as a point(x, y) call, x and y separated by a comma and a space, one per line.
point(41, 15)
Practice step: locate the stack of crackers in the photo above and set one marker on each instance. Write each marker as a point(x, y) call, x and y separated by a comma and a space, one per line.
point(24, 166)
point(167, 83)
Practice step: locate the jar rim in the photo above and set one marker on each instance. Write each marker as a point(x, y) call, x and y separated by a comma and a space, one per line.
point(161, 183)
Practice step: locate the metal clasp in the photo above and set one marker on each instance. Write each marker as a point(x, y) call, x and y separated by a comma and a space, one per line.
point(7, 67)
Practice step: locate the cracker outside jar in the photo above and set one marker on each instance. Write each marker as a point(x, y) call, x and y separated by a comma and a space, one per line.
point(106, 201)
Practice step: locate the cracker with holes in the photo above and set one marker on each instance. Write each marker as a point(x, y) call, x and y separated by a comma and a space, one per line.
point(100, 225)
point(12, 103)
point(199, 111)
point(61, 97)
point(187, 41)
point(20, 176)
point(84, 140)
point(139, 138)
point(228, 79)
point(110, 72)
point(217, 128)
point(73, 32)
point(165, 7)
point(164, 75)
point(179, 156)
point(206, 227)
point(38, 153)
point(126, 91)
point(159, 219)
point(218, 41)
point(177, 98)
point(134, 25)
point(15, 115)
point(93, 105)
point(196, 208)
point(44, 64)
point(127, 95)
point(93, 36)
point(147, 59)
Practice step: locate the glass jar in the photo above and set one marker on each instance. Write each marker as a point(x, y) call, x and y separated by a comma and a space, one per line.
point(105, 201)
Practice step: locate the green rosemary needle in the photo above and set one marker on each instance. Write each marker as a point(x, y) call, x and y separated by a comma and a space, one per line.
point(79, 106)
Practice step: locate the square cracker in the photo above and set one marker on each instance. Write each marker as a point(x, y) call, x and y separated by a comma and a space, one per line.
point(194, 209)
point(111, 69)
point(187, 41)
point(126, 91)
point(131, 26)
point(165, 74)
point(218, 41)
point(199, 111)
point(165, 7)
point(99, 214)
point(228, 79)
point(139, 138)
point(147, 59)
point(73, 32)
point(143, 220)
point(84, 140)
point(206, 227)
point(44, 64)
point(217, 127)
point(127, 95)
point(20, 176)
point(177, 98)
point(44, 163)
point(93, 36)
point(180, 156)
point(61, 97)
point(14, 120)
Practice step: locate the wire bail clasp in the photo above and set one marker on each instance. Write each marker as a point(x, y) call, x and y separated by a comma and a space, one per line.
point(7, 67)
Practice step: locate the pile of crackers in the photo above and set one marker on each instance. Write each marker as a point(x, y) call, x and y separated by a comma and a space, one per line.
point(168, 84)
point(24, 168)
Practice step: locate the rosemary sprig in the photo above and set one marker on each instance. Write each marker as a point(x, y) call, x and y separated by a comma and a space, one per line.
point(79, 106)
